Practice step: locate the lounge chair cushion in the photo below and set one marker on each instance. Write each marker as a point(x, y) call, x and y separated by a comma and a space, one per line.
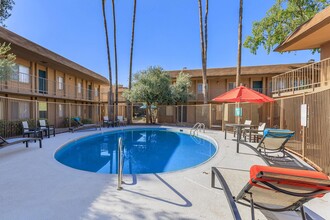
point(280, 133)
point(290, 177)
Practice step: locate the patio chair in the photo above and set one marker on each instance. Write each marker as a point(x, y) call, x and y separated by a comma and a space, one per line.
point(27, 131)
point(277, 189)
point(107, 122)
point(121, 120)
point(81, 126)
point(255, 133)
point(44, 127)
point(246, 122)
point(6, 142)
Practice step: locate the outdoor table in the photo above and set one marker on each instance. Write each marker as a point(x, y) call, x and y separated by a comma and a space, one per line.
point(238, 130)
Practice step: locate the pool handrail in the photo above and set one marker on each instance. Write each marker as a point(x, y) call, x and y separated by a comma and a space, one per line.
point(197, 127)
point(120, 163)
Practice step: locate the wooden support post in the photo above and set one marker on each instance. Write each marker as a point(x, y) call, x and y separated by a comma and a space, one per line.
point(210, 117)
point(304, 144)
point(282, 114)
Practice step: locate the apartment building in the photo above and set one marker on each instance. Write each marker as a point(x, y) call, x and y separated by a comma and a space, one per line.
point(221, 80)
point(313, 34)
point(48, 85)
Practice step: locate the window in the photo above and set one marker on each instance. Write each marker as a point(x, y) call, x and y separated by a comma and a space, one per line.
point(42, 109)
point(257, 86)
point(231, 85)
point(60, 111)
point(20, 110)
point(200, 88)
point(79, 87)
point(60, 83)
point(22, 74)
point(96, 92)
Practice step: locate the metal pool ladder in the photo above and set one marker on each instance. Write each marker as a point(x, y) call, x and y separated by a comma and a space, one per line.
point(196, 128)
point(120, 163)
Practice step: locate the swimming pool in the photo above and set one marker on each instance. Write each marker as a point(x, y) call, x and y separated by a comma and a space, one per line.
point(148, 150)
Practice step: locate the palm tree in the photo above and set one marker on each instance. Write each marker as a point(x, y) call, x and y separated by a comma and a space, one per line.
point(115, 50)
point(129, 115)
point(110, 100)
point(239, 52)
point(203, 38)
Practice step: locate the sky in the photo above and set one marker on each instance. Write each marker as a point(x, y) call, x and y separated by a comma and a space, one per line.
point(166, 33)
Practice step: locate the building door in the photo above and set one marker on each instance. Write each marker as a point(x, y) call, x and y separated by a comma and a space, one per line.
point(42, 82)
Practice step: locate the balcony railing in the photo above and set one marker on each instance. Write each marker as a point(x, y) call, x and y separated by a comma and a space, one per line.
point(305, 78)
point(21, 83)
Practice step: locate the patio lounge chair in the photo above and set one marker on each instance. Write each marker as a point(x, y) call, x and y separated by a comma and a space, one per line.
point(46, 128)
point(81, 126)
point(273, 141)
point(11, 141)
point(276, 189)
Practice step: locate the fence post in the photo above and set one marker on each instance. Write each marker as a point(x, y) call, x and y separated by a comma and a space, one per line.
point(304, 144)
point(282, 114)
point(69, 114)
point(210, 117)
point(36, 114)
point(181, 114)
point(271, 114)
point(223, 117)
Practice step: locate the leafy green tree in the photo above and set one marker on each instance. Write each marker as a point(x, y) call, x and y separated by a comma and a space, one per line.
point(7, 62)
point(180, 89)
point(153, 87)
point(281, 20)
point(5, 7)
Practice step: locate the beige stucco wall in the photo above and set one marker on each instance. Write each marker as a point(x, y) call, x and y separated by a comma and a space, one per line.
point(325, 50)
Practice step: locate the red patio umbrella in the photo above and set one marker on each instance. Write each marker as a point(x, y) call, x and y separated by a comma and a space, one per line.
point(243, 94)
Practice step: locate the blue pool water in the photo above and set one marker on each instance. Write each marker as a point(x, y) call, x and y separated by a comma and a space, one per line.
point(145, 151)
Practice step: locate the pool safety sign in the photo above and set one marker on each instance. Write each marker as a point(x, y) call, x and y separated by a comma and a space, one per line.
point(238, 112)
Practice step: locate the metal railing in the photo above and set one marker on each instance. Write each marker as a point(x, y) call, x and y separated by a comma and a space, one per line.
point(196, 128)
point(23, 83)
point(120, 163)
point(310, 76)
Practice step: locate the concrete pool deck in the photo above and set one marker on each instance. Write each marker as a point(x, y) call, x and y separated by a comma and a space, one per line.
point(35, 186)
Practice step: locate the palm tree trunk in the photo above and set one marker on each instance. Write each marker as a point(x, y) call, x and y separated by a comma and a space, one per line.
point(115, 48)
point(239, 52)
point(203, 47)
point(110, 100)
point(129, 110)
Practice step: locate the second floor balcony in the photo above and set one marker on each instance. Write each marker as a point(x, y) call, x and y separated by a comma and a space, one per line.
point(309, 78)
point(26, 84)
